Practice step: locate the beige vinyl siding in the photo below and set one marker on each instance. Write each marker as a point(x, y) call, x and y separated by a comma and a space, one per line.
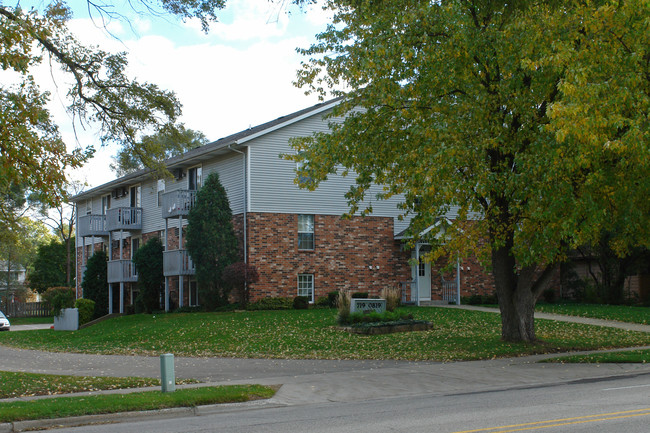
point(272, 188)
point(231, 174)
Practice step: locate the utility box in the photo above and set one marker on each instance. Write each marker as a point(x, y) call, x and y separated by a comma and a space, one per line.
point(167, 374)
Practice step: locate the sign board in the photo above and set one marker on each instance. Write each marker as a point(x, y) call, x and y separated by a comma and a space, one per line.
point(367, 305)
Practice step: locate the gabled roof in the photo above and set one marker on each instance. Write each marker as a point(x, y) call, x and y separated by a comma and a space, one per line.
point(220, 146)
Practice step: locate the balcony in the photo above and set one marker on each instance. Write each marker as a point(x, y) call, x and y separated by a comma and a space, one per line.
point(122, 271)
point(92, 225)
point(124, 218)
point(177, 262)
point(177, 203)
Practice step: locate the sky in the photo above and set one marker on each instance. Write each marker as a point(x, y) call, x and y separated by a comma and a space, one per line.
point(239, 74)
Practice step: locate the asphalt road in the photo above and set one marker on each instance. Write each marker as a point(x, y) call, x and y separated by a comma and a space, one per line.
point(595, 406)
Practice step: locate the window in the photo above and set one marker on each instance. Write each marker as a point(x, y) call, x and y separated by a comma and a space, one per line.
point(160, 188)
point(302, 179)
point(106, 203)
point(422, 268)
point(194, 175)
point(89, 207)
point(135, 244)
point(136, 194)
point(306, 286)
point(305, 232)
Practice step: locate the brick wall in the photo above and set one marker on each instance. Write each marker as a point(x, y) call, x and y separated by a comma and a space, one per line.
point(359, 255)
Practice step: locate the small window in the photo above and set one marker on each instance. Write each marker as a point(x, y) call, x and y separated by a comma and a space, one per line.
point(160, 188)
point(305, 232)
point(302, 179)
point(306, 286)
point(422, 268)
point(89, 207)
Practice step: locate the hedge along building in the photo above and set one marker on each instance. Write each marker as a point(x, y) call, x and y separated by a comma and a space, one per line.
point(295, 238)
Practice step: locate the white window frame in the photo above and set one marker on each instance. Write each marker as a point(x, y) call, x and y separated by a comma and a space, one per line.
point(306, 286)
point(198, 174)
point(106, 203)
point(137, 200)
point(160, 190)
point(306, 226)
point(89, 206)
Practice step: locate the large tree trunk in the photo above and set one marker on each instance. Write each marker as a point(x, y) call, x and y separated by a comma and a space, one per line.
point(517, 290)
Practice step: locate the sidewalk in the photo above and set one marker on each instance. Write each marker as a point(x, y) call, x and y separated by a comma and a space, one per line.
point(564, 318)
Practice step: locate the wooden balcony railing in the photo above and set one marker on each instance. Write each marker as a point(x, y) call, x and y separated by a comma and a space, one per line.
point(177, 262)
point(177, 203)
point(124, 218)
point(122, 271)
point(92, 225)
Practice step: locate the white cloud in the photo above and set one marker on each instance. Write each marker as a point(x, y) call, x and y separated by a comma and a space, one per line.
point(224, 86)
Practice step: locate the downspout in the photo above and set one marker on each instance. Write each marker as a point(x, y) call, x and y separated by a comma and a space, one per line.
point(244, 172)
point(76, 254)
point(417, 274)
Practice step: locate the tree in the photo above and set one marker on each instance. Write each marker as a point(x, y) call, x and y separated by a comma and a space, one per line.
point(148, 260)
point(50, 267)
point(211, 241)
point(94, 284)
point(18, 248)
point(101, 93)
point(240, 276)
point(61, 219)
point(165, 144)
point(508, 112)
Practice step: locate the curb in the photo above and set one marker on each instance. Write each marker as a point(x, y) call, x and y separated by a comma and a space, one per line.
point(117, 418)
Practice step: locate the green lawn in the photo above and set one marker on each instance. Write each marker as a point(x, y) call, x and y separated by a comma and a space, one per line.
point(621, 313)
point(311, 334)
point(632, 356)
point(20, 384)
point(99, 404)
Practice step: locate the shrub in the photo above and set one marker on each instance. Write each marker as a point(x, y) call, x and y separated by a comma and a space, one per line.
point(343, 304)
point(239, 276)
point(375, 317)
point(94, 283)
point(360, 295)
point(60, 298)
point(549, 296)
point(86, 309)
point(393, 297)
point(300, 303)
point(322, 302)
point(271, 304)
point(149, 261)
point(332, 297)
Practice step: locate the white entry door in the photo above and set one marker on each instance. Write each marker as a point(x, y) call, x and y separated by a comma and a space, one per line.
point(424, 280)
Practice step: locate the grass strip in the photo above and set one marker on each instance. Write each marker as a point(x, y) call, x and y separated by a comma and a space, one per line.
point(20, 384)
point(632, 356)
point(62, 407)
point(621, 313)
point(312, 334)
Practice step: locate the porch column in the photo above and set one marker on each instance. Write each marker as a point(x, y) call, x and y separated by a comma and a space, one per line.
point(166, 278)
point(180, 246)
point(121, 297)
point(417, 274)
point(110, 298)
point(458, 281)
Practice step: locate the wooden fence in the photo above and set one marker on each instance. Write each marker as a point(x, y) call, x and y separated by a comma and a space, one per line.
point(27, 309)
